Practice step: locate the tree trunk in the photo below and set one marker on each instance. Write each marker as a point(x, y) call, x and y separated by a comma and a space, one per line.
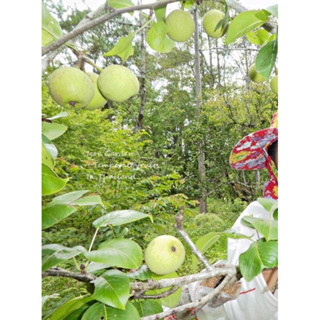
point(143, 79)
point(201, 157)
point(210, 63)
point(218, 64)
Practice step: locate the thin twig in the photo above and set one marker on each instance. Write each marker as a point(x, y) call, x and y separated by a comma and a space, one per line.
point(186, 237)
point(59, 272)
point(140, 295)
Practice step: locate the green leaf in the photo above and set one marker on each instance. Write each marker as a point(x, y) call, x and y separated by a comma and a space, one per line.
point(53, 130)
point(250, 263)
point(112, 288)
point(88, 201)
point(54, 214)
point(130, 312)
point(61, 114)
point(56, 306)
point(203, 244)
point(118, 4)
point(50, 147)
point(266, 58)
point(273, 10)
point(51, 30)
point(53, 254)
point(46, 157)
point(188, 4)
point(234, 235)
point(122, 253)
point(157, 38)
point(51, 183)
point(120, 217)
point(147, 307)
point(70, 306)
point(268, 252)
point(142, 274)
point(267, 227)
point(245, 22)
point(258, 37)
point(123, 48)
point(261, 254)
point(275, 214)
point(75, 315)
point(51, 296)
point(93, 267)
point(172, 300)
point(160, 13)
point(97, 311)
point(269, 204)
point(67, 198)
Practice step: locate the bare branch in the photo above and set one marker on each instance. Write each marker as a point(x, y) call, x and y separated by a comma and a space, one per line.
point(59, 272)
point(186, 237)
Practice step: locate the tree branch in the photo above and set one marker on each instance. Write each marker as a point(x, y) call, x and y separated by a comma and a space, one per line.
point(59, 272)
point(140, 295)
point(150, 284)
point(91, 24)
point(186, 237)
point(192, 305)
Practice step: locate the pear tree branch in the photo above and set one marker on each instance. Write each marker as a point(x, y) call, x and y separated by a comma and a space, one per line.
point(186, 237)
point(196, 305)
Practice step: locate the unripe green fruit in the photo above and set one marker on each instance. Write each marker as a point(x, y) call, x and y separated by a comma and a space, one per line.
point(180, 25)
point(71, 87)
point(210, 21)
point(164, 254)
point(274, 84)
point(255, 76)
point(98, 101)
point(117, 83)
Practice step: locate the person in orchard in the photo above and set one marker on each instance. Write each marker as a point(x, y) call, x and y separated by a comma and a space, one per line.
point(258, 150)
point(257, 299)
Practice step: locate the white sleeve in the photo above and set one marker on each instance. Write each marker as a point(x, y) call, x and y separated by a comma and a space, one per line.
point(259, 304)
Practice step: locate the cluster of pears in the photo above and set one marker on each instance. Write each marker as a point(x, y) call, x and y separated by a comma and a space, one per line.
point(71, 87)
point(257, 77)
point(180, 24)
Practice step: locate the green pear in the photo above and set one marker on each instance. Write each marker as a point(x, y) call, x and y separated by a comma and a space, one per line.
point(180, 25)
point(255, 76)
point(71, 87)
point(164, 254)
point(98, 101)
point(274, 84)
point(210, 22)
point(117, 83)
